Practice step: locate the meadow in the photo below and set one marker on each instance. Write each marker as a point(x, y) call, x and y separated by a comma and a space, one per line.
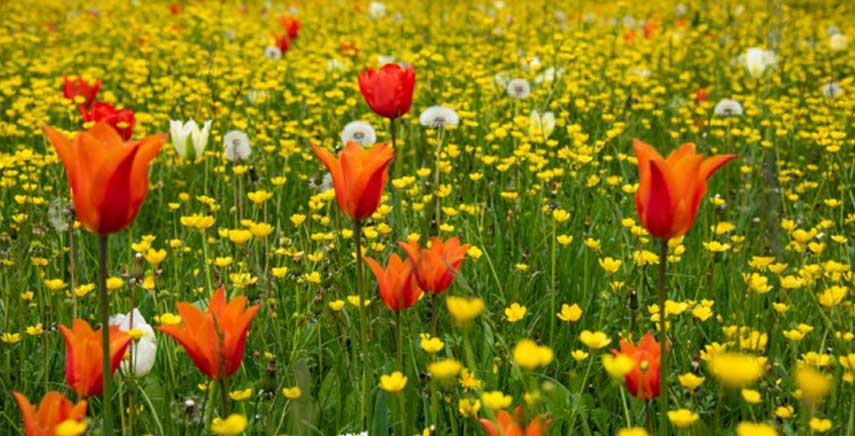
point(502, 218)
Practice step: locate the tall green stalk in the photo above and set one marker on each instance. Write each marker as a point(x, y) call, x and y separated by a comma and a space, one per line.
point(663, 341)
point(106, 376)
point(357, 234)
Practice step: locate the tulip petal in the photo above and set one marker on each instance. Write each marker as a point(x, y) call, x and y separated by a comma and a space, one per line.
point(28, 413)
point(658, 208)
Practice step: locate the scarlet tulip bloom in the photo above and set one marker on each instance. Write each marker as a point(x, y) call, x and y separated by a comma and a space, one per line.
point(509, 425)
point(643, 381)
point(359, 176)
point(108, 177)
point(214, 339)
point(291, 25)
point(122, 120)
point(53, 410)
point(436, 266)
point(388, 91)
point(80, 92)
point(283, 42)
point(398, 289)
point(670, 190)
point(83, 370)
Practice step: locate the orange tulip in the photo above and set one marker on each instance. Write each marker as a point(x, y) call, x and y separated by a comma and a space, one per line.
point(436, 266)
point(643, 380)
point(52, 411)
point(83, 371)
point(215, 339)
point(509, 425)
point(108, 177)
point(359, 176)
point(397, 288)
point(671, 189)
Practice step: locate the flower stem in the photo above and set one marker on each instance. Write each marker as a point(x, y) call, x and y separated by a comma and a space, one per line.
point(224, 397)
point(357, 234)
point(107, 418)
point(663, 341)
point(400, 340)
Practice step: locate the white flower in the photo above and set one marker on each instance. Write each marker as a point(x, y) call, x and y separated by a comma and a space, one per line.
point(727, 107)
point(757, 61)
point(365, 433)
point(385, 59)
point(540, 126)
point(359, 132)
point(237, 145)
point(143, 349)
point(376, 10)
point(680, 9)
point(549, 75)
point(334, 65)
point(436, 117)
point(273, 53)
point(642, 73)
point(832, 90)
point(519, 88)
point(838, 42)
point(181, 133)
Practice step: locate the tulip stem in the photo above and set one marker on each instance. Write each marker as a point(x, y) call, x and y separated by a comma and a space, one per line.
point(400, 340)
point(663, 340)
point(357, 234)
point(224, 397)
point(107, 418)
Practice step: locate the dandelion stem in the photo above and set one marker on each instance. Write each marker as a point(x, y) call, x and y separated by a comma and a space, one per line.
point(663, 341)
point(107, 419)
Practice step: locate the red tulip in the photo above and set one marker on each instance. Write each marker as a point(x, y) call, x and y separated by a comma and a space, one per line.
point(701, 94)
point(291, 25)
point(120, 119)
point(283, 42)
point(359, 177)
point(83, 371)
point(108, 177)
point(80, 92)
point(670, 190)
point(214, 339)
point(397, 288)
point(53, 410)
point(389, 91)
point(436, 266)
point(506, 424)
point(643, 380)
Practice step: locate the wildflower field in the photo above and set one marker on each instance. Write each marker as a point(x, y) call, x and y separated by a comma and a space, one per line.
point(502, 218)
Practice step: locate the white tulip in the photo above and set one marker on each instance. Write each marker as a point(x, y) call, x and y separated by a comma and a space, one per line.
point(189, 132)
point(144, 349)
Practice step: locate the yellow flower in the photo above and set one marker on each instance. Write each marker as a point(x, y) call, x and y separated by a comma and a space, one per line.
point(10, 338)
point(618, 366)
point(751, 396)
point(54, 284)
point(84, 289)
point(169, 319)
point(355, 300)
point(496, 400)
point(394, 382)
point(468, 380)
point(474, 252)
point(297, 219)
point(736, 370)
point(114, 283)
point(814, 384)
point(564, 240)
point(560, 215)
point(515, 312)
point(260, 196)
point(632, 431)
point(444, 369)
point(35, 330)
point(570, 313)
point(293, 393)
point(241, 394)
point(336, 305)
point(431, 344)
point(469, 408)
point(464, 310)
point(594, 340)
point(70, 427)
point(529, 355)
point(682, 418)
point(231, 426)
point(610, 265)
point(155, 257)
point(818, 425)
point(755, 429)
point(579, 355)
point(784, 412)
point(690, 381)
point(239, 236)
point(314, 277)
